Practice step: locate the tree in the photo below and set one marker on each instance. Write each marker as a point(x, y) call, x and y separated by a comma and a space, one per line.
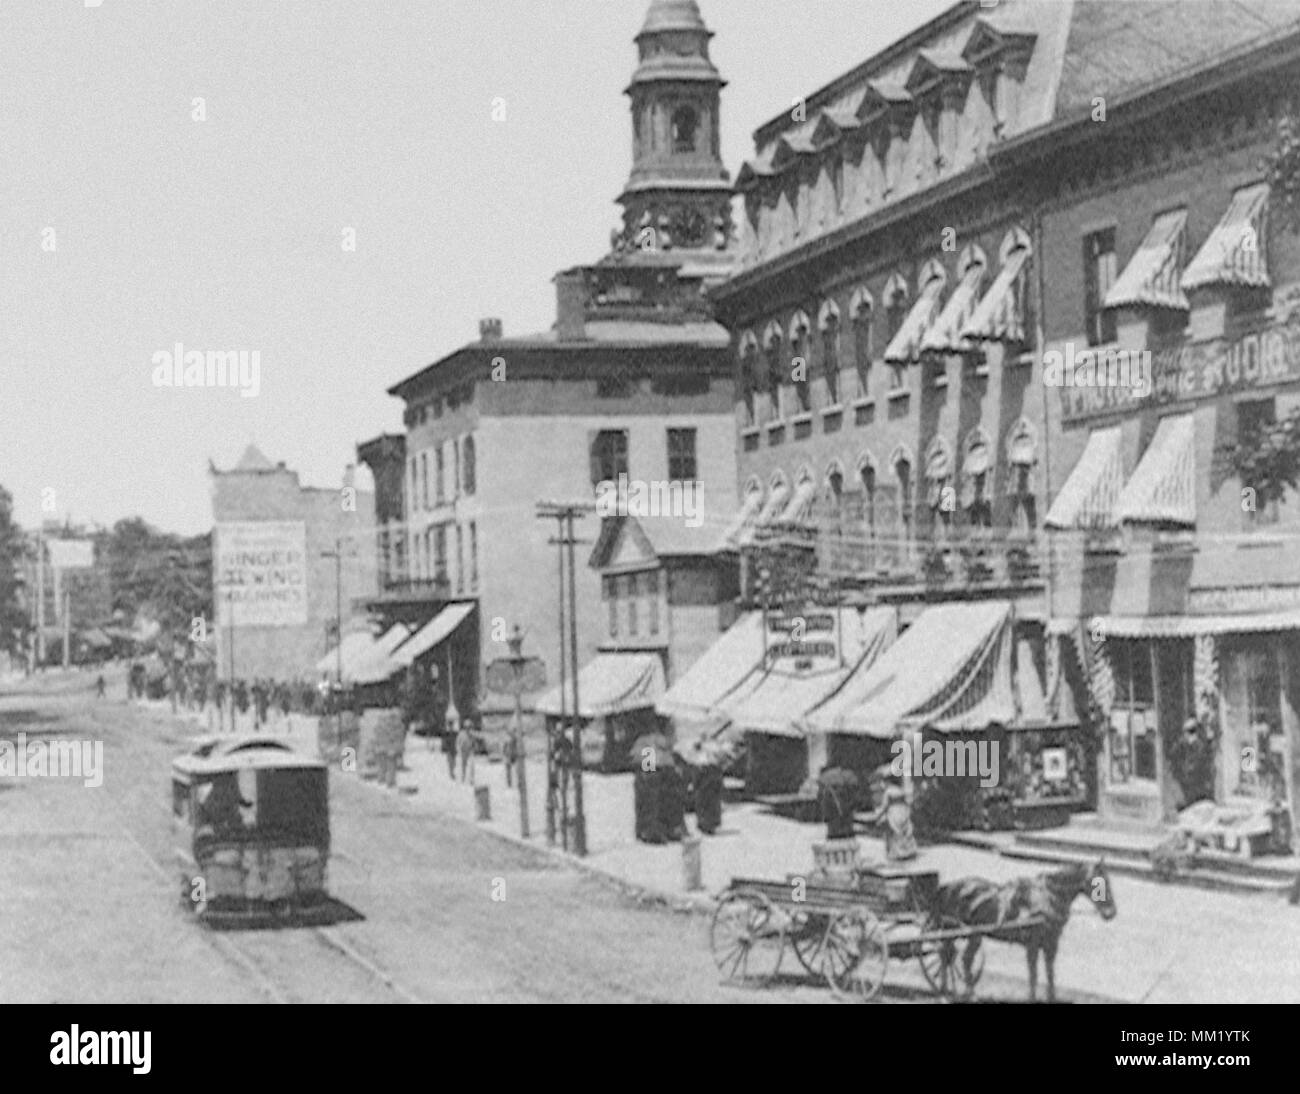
point(14, 623)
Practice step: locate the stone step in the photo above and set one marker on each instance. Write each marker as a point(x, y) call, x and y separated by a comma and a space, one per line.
point(1201, 877)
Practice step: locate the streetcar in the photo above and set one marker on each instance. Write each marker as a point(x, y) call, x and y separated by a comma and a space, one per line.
point(251, 821)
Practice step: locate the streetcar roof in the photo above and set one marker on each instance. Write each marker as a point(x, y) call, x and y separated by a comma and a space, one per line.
point(212, 755)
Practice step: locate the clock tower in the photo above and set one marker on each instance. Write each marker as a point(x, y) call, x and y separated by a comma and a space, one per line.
point(678, 196)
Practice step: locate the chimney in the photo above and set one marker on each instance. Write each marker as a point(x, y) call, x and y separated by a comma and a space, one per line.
point(570, 305)
point(489, 330)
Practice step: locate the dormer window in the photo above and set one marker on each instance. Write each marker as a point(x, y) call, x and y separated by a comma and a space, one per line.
point(684, 126)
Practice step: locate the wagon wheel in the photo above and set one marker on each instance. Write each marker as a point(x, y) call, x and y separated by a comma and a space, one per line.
point(806, 936)
point(943, 960)
point(747, 936)
point(855, 954)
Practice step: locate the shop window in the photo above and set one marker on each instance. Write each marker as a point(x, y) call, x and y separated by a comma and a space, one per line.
point(608, 456)
point(1254, 767)
point(1132, 731)
point(1099, 271)
point(681, 455)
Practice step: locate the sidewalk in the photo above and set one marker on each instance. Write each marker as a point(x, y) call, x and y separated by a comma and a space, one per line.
point(752, 842)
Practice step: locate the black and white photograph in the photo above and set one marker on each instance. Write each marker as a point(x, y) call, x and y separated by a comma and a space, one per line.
point(651, 501)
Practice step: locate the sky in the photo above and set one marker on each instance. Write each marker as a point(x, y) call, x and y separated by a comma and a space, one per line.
point(133, 218)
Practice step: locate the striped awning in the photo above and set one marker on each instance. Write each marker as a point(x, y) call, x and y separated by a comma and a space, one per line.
point(1189, 626)
point(1163, 487)
point(611, 683)
point(950, 669)
point(1087, 500)
point(742, 524)
point(378, 664)
point(353, 650)
point(801, 503)
point(945, 333)
point(773, 701)
point(999, 316)
point(1234, 253)
point(726, 664)
point(437, 630)
point(1151, 276)
point(906, 344)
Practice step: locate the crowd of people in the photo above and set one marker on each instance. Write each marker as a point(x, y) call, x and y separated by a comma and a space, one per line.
point(196, 687)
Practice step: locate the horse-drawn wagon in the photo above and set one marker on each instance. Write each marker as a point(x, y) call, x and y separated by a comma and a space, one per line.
point(849, 929)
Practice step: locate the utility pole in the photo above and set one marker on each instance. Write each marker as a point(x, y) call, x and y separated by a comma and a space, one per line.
point(230, 622)
point(564, 514)
point(552, 777)
point(337, 556)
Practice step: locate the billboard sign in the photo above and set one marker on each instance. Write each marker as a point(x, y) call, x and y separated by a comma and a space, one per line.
point(71, 554)
point(261, 574)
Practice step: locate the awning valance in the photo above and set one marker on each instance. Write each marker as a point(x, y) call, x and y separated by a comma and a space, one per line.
point(999, 316)
point(1234, 253)
point(1163, 487)
point(774, 701)
point(1151, 276)
point(1189, 626)
point(611, 683)
point(720, 670)
point(906, 344)
point(378, 665)
point(431, 634)
point(945, 333)
point(937, 673)
point(1087, 500)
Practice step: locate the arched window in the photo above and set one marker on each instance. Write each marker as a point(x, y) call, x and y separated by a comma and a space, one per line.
point(938, 486)
point(895, 300)
point(799, 327)
point(1022, 462)
point(976, 470)
point(749, 375)
point(468, 466)
point(828, 321)
point(867, 480)
point(860, 308)
point(903, 486)
point(774, 350)
point(685, 123)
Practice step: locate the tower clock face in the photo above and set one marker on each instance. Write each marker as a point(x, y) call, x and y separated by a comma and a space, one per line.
point(693, 228)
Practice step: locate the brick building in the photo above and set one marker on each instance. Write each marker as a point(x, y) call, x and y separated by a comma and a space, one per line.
point(272, 550)
point(633, 379)
point(920, 236)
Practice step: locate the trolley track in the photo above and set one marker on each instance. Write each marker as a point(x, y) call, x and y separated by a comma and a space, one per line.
point(256, 951)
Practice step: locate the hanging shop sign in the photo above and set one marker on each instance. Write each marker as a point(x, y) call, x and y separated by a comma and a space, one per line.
point(803, 642)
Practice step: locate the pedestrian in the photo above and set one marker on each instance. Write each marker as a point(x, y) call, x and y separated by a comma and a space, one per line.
point(285, 699)
point(510, 753)
point(100, 686)
point(449, 751)
point(465, 749)
point(896, 811)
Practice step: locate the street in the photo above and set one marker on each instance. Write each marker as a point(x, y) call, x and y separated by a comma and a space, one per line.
point(89, 892)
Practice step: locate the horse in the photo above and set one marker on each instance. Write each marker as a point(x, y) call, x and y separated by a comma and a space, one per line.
point(1047, 897)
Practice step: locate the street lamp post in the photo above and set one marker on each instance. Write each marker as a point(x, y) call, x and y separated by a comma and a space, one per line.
point(517, 661)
